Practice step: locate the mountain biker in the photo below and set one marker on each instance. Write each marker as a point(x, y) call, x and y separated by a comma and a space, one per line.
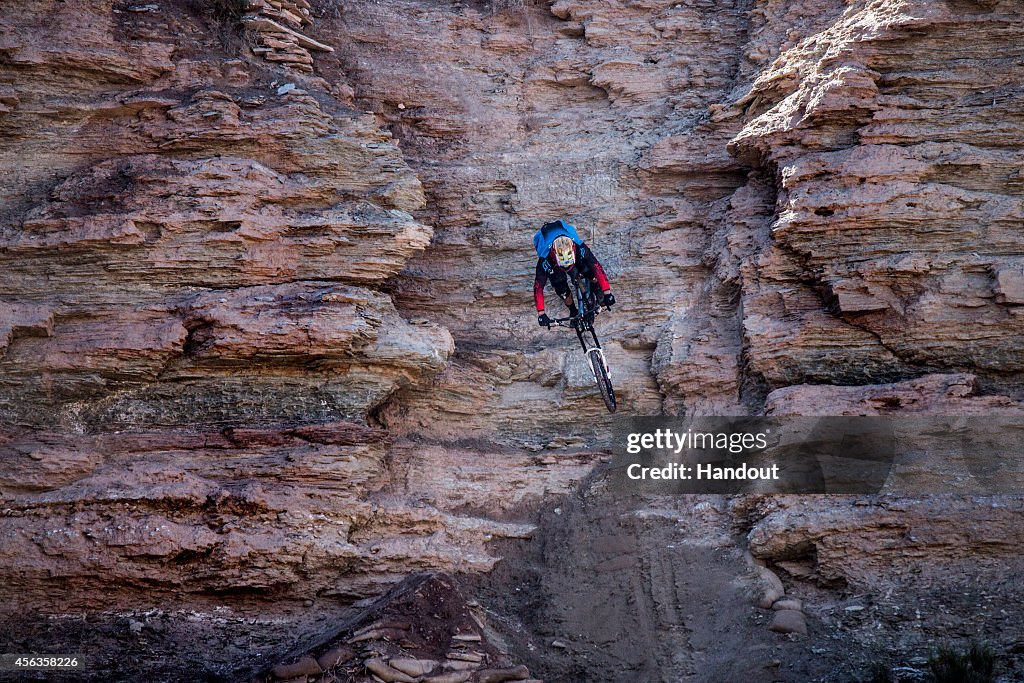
point(559, 248)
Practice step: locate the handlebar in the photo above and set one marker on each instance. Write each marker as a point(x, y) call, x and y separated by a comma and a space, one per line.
point(567, 322)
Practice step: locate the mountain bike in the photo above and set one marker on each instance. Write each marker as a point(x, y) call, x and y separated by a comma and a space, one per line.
point(587, 308)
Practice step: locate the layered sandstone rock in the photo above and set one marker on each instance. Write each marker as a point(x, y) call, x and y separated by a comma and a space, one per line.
point(194, 340)
point(888, 131)
point(530, 116)
point(424, 629)
point(267, 336)
point(278, 25)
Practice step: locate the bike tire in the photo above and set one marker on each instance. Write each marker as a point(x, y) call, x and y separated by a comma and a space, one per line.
point(604, 382)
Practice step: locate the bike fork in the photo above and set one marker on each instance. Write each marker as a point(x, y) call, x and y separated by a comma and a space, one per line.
point(604, 363)
point(596, 348)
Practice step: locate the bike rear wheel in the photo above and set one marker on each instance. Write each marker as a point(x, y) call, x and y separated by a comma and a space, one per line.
point(604, 382)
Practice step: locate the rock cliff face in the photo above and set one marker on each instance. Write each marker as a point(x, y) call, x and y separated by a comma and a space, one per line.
point(266, 332)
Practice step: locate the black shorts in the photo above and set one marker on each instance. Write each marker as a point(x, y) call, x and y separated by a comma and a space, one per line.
point(561, 284)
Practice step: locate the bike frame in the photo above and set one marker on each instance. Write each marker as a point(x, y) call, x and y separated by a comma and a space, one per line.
point(586, 309)
point(584, 320)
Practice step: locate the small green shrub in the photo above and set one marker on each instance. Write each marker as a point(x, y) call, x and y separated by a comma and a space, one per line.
point(977, 665)
point(880, 674)
point(224, 11)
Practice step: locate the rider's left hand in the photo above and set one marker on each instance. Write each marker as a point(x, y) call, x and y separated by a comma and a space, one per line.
point(609, 299)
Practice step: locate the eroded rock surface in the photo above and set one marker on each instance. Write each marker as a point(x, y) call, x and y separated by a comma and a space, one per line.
point(266, 332)
point(194, 338)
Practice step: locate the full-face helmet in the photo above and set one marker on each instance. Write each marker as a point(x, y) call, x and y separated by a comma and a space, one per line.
point(565, 252)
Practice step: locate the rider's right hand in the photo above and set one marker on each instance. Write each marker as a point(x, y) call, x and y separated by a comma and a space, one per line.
point(543, 320)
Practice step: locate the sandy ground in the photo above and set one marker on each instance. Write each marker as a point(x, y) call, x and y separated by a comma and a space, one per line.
point(617, 589)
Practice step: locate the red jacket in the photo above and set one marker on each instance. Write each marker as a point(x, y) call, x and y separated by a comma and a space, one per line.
point(547, 268)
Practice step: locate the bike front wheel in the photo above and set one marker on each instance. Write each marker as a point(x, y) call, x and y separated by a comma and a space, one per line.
point(604, 381)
